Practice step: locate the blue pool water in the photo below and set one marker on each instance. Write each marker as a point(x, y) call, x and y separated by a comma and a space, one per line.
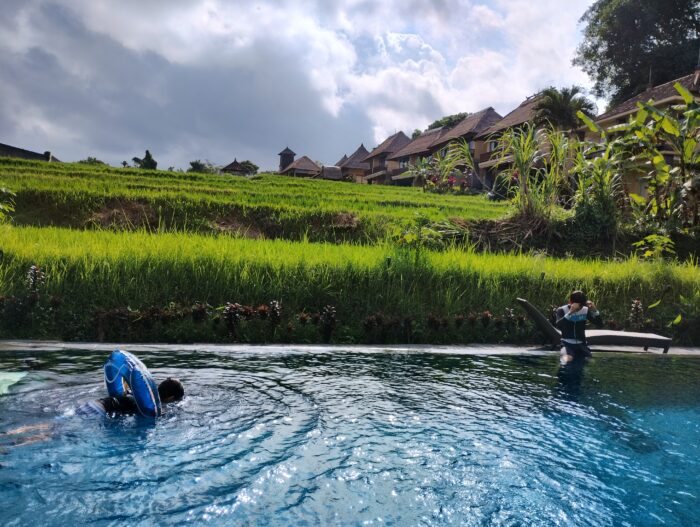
point(340, 437)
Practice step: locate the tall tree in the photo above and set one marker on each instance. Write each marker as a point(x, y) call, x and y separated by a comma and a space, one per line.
point(250, 167)
point(625, 42)
point(448, 121)
point(203, 167)
point(559, 107)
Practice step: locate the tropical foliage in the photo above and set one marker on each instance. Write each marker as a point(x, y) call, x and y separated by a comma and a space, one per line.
point(559, 108)
point(628, 43)
point(135, 285)
point(147, 163)
point(662, 146)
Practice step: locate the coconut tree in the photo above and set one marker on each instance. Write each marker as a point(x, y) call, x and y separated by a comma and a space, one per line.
point(559, 107)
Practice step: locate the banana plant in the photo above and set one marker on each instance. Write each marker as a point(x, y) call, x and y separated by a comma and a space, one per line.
point(671, 140)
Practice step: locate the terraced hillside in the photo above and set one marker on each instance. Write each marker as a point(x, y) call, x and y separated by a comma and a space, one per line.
point(265, 206)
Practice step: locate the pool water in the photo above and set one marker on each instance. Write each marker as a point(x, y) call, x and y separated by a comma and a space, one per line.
point(329, 436)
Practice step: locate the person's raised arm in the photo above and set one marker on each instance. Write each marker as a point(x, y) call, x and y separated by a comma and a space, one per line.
point(594, 315)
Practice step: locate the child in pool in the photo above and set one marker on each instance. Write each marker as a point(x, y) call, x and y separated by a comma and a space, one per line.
point(169, 391)
point(571, 320)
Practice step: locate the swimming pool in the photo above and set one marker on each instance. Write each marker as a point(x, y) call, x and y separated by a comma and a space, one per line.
point(333, 436)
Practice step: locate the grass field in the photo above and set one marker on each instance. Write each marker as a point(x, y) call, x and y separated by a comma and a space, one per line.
point(89, 272)
point(266, 206)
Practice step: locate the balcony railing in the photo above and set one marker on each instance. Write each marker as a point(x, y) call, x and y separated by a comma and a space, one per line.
point(486, 156)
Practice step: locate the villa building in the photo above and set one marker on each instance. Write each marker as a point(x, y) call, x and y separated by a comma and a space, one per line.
point(661, 96)
point(286, 158)
point(21, 153)
point(302, 167)
point(486, 142)
point(435, 142)
point(354, 168)
point(331, 173)
point(235, 169)
point(381, 169)
point(410, 155)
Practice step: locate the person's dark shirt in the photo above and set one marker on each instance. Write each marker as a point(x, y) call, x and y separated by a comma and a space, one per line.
point(573, 325)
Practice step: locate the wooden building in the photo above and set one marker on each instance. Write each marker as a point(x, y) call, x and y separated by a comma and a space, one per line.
point(286, 158)
point(486, 142)
point(331, 173)
point(21, 153)
point(302, 167)
point(354, 168)
point(380, 167)
point(236, 169)
point(661, 96)
point(435, 142)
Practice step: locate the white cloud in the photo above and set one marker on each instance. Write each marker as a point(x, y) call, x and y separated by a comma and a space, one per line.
point(399, 63)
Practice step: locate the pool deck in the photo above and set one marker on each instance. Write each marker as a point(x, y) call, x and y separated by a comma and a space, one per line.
point(469, 349)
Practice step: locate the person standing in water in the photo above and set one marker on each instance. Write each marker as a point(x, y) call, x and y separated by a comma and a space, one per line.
point(571, 320)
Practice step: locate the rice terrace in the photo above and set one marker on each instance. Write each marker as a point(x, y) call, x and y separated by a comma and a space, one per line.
point(442, 270)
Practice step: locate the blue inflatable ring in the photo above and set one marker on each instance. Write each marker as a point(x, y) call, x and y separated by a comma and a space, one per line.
point(125, 374)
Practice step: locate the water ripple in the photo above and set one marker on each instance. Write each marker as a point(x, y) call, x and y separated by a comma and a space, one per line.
point(340, 438)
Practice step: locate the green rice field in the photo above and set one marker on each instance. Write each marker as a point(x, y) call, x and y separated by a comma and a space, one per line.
point(265, 206)
point(448, 296)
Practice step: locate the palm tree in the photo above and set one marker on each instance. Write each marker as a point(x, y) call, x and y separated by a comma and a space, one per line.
point(559, 107)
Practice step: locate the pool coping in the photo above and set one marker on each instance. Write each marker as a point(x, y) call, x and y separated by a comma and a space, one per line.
point(256, 349)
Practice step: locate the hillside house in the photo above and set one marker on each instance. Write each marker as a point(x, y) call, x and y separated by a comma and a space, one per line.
point(436, 142)
point(235, 169)
point(302, 167)
point(354, 168)
point(21, 153)
point(380, 167)
point(331, 173)
point(661, 96)
point(486, 142)
point(286, 158)
point(410, 155)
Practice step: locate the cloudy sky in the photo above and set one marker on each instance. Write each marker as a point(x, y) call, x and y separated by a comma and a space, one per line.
point(218, 79)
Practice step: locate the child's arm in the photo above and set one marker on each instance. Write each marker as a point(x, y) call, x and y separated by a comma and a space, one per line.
point(594, 314)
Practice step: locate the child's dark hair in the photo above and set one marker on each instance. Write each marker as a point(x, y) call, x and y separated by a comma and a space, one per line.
point(578, 297)
point(171, 389)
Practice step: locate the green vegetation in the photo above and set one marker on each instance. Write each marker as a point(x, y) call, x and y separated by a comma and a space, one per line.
point(559, 108)
point(448, 121)
point(625, 42)
point(94, 252)
point(157, 286)
point(147, 163)
point(264, 206)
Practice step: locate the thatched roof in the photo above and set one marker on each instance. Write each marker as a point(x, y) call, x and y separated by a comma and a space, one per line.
point(472, 125)
point(657, 93)
point(287, 150)
point(522, 114)
point(356, 159)
point(13, 151)
point(421, 144)
point(332, 173)
point(303, 164)
point(390, 145)
point(341, 160)
point(235, 167)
